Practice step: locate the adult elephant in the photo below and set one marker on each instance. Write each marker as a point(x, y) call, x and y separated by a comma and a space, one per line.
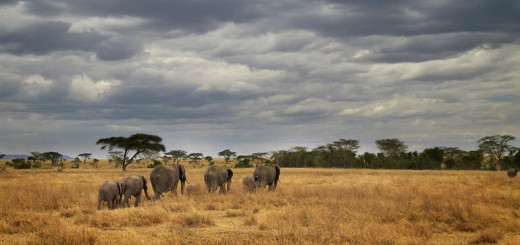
point(165, 178)
point(512, 172)
point(267, 175)
point(216, 176)
point(133, 186)
point(109, 192)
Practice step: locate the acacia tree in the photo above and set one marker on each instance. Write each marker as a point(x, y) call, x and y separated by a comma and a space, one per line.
point(177, 155)
point(85, 156)
point(496, 146)
point(195, 157)
point(391, 147)
point(137, 143)
point(209, 159)
point(54, 157)
point(227, 154)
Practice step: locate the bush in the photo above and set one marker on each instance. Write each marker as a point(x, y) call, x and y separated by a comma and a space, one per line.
point(20, 163)
point(154, 164)
point(244, 163)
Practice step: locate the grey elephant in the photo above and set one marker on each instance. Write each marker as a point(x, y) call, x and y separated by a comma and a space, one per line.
point(109, 192)
point(165, 178)
point(216, 176)
point(267, 175)
point(133, 186)
point(512, 172)
point(249, 183)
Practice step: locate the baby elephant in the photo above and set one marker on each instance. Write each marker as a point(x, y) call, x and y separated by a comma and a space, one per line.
point(249, 183)
point(109, 192)
point(512, 172)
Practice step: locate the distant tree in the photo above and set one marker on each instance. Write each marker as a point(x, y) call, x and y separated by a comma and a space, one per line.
point(85, 156)
point(137, 143)
point(259, 157)
point(227, 154)
point(496, 146)
point(75, 163)
point(347, 144)
point(391, 147)
point(244, 161)
point(177, 155)
point(195, 157)
point(346, 151)
point(54, 157)
point(2, 155)
point(116, 157)
point(209, 159)
point(431, 158)
point(299, 152)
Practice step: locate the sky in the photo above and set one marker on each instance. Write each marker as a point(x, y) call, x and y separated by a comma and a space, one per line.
point(256, 76)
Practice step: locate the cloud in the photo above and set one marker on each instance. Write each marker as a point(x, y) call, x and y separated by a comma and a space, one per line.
point(82, 88)
point(36, 86)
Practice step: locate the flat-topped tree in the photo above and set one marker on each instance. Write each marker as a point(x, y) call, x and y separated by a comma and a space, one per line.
point(55, 157)
point(227, 154)
point(177, 155)
point(85, 156)
point(136, 144)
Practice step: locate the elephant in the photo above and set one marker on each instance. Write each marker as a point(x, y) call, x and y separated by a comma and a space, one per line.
point(216, 176)
point(109, 192)
point(512, 172)
point(249, 183)
point(165, 178)
point(267, 175)
point(133, 186)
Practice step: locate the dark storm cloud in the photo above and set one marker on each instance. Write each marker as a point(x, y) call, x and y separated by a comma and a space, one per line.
point(193, 16)
point(45, 37)
point(49, 36)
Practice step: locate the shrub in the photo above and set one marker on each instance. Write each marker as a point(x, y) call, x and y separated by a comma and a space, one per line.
point(20, 163)
point(154, 164)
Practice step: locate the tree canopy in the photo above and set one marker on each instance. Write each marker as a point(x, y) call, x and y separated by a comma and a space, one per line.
point(227, 154)
point(136, 143)
point(391, 147)
point(496, 146)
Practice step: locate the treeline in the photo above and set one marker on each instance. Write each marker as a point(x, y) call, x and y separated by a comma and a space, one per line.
point(494, 153)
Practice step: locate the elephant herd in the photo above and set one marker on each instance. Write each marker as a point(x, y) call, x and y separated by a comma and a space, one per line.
point(166, 178)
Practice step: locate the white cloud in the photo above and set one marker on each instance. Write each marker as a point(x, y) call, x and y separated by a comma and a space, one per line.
point(36, 86)
point(82, 88)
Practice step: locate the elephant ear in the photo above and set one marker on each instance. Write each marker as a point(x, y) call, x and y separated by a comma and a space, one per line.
point(230, 174)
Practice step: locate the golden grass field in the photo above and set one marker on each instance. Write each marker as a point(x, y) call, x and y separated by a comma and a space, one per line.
point(310, 206)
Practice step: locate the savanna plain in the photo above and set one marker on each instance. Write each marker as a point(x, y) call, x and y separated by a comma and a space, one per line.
point(310, 206)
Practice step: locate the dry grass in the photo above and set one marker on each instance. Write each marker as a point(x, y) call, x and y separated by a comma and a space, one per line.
point(310, 206)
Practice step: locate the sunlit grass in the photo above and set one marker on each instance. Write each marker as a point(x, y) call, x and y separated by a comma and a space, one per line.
point(310, 206)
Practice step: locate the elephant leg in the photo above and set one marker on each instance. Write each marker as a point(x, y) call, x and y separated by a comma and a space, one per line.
point(271, 187)
point(222, 189)
point(125, 202)
point(99, 204)
point(174, 189)
point(137, 200)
